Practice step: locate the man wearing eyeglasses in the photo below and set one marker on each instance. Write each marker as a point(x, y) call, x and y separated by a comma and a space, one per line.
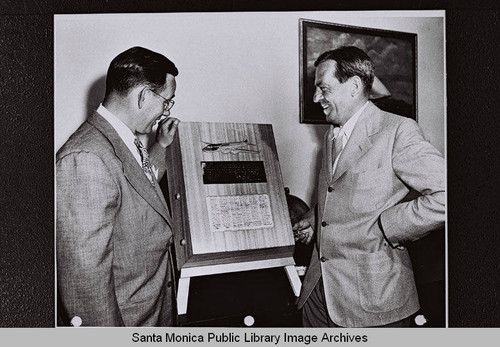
point(113, 228)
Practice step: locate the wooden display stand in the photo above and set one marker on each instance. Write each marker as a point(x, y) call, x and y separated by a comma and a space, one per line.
point(228, 202)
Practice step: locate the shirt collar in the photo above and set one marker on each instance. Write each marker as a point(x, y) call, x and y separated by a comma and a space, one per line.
point(349, 125)
point(123, 131)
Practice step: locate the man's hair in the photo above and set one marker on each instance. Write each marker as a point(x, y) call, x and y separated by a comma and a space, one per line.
point(138, 66)
point(351, 61)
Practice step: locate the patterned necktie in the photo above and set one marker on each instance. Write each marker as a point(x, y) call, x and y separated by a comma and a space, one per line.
point(146, 165)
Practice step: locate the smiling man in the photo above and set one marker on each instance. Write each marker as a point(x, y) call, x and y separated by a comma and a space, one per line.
point(360, 273)
point(113, 228)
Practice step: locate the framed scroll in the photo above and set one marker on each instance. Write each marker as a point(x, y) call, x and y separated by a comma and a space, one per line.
point(228, 202)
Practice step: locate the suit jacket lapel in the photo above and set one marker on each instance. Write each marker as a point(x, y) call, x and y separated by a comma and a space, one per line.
point(132, 171)
point(359, 142)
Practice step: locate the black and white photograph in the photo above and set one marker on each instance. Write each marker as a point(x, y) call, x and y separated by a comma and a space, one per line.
point(178, 174)
point(191, 172)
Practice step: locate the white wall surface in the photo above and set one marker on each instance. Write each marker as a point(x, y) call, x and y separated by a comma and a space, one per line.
point(234, 67)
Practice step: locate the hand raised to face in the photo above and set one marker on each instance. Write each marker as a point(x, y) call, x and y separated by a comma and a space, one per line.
point(166, 131)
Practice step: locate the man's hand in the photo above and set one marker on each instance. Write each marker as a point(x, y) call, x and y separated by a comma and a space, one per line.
point(302, 231)
point(166, 131)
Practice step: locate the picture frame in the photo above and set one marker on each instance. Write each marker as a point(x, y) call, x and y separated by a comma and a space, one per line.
point(394, 54)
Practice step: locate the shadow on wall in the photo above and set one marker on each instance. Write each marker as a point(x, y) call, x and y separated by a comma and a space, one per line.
point(318, 132)
point(95, 94)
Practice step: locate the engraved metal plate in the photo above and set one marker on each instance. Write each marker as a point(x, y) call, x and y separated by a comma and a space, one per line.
point(226, 172)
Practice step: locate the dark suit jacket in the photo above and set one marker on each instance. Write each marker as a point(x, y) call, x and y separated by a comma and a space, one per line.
point(113, 234)
point(368, 282)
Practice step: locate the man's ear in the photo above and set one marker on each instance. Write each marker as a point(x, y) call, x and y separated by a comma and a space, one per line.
point(356, 85)
point(141, 97)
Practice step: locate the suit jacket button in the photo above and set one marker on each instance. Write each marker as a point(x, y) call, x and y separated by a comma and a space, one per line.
point(324, 224)
point(169, 284)
point(330, 189)
point(323, 259)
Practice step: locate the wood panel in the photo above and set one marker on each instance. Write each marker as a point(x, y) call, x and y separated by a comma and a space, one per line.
point(186, 179)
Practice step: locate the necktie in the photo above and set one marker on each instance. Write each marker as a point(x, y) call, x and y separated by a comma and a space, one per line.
point(337, 145)
point(146, 165)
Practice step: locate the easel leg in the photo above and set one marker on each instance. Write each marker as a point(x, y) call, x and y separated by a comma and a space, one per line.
point(294, 279)
point(182, 295)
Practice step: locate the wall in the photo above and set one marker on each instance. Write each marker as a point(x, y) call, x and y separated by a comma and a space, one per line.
point(234, 67)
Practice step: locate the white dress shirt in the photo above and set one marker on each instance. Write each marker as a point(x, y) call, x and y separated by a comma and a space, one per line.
point(125, 134)
point(344, 132)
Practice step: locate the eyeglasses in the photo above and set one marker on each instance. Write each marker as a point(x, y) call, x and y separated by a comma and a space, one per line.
point(167, 104)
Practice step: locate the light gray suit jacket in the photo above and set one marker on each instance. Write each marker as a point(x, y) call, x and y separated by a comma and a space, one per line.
point(368, 282)
point(113, 234)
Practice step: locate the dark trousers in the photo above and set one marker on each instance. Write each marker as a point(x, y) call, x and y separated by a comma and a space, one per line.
point(315, 313)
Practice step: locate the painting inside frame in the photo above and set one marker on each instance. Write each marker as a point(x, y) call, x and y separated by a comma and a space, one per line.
point(393, 53)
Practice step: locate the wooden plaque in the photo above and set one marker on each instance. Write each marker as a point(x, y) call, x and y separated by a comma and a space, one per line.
point(226, 194)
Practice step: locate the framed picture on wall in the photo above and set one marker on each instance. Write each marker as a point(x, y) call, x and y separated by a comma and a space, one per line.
point(394, 54)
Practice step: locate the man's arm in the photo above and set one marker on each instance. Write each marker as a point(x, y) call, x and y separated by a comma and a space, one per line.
point(87, 202)
point(164, 137)
point(419, 165)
